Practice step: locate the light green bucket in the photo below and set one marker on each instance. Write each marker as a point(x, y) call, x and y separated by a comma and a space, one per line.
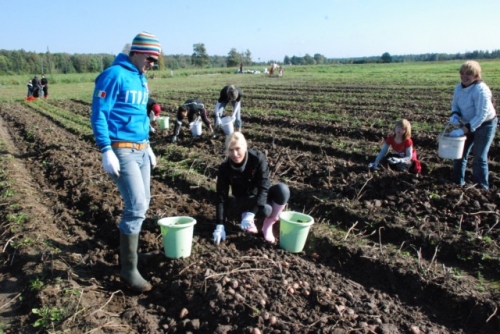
point(294, 228)
point(177, 233)
point(163, 122)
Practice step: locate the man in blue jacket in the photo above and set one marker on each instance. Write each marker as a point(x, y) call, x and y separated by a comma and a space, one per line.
point(121, 129)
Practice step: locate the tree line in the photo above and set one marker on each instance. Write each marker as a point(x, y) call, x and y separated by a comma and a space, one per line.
point(25, 62)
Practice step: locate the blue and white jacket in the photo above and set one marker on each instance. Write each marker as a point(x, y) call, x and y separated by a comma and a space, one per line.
point(119, 105)
point(473, 104)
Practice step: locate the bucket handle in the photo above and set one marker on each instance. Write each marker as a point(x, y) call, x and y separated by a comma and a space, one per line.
point(444, 131)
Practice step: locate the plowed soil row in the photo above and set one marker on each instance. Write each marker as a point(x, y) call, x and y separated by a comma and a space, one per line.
point(388, 253)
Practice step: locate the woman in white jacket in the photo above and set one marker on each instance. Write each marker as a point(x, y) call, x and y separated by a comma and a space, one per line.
point(472, 111)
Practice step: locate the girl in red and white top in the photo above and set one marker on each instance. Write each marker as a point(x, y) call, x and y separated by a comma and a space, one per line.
point(402, 148)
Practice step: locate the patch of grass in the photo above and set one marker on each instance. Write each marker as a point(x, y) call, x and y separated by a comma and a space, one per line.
point(47, 316)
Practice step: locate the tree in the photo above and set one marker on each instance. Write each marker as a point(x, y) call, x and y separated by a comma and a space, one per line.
point(386, 57)
point(234, 58)
point(309, 60)
point(247, 58)
point(320, 59)
point(200, 56)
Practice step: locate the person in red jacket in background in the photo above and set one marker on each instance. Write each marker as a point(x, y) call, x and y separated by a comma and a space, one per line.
point(153, 111)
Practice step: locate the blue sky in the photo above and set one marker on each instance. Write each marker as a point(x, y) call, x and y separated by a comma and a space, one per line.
point(271, 30)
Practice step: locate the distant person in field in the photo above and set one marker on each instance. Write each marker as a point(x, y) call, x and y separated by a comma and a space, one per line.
point(121, 128)
point(403, 157)
point(246, 174)
point(474, 115)
point(45, 86)
point(29, 94)
point(37, 87)
point(193, 109)
point(153, 110)
point(229, 94)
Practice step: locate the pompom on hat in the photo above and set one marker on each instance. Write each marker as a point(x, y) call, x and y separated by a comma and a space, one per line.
point(146, 43)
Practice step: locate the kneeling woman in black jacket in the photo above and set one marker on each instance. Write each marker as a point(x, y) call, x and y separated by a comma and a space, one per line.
point(246, 172)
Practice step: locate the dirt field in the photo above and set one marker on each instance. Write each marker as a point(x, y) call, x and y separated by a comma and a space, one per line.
point(388, 253)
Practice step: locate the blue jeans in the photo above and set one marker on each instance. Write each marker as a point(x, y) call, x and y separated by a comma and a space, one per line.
point(134, 186)
point(479, 143)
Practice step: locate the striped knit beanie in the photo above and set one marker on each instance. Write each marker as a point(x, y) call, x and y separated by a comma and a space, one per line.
point(146, 43)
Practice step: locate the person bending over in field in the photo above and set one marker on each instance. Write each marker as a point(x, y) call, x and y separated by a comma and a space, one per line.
point(193, 109)
point(153, 110)
point(229, 94)
point(403, 155)
point(245, 172)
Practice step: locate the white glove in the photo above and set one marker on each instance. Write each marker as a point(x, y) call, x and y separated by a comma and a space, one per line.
point(247, 223)
point(110, 163)
point(218, 122)
point(219, 234)
point(455, 120)
point(393, 160)
point(152, 157)
point(457, 133)
point(152, 129)
point(152, 116)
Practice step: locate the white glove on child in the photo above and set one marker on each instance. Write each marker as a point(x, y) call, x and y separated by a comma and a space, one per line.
point(110, 163)
point(247, 222)
point(219, 234)
point(455, 120)
point(394, 160)
point(152, 157)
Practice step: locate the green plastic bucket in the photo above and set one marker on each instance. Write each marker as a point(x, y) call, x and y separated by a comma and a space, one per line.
point(177, 233)
point(294, 228)
point(163, 122)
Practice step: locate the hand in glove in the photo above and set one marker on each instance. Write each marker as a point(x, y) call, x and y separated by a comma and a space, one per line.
point(218, 121)
point(219, 234)
point(110, 163)
point(457, 133)
point(247, 224)
point(373, 166)
point(455, 120)
point(152, 157)
point(394, 160)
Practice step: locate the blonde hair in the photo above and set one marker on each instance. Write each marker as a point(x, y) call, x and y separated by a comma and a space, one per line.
point(471, 67)
point(405, 125)
point(234, 139)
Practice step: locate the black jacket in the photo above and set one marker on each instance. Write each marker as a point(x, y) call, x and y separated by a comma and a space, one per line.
point(224, 98)
point(252, 181)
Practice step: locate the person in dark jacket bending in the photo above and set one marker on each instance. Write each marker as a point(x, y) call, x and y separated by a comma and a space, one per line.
point(229, 94)
point(246, 172)
point(192, 109)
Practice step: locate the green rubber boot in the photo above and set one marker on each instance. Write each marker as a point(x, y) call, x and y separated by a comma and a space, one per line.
point(129, 257)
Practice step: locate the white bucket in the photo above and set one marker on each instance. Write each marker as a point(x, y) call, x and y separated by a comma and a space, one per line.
point(196, 128)
point(451, 147)
point(227, 125)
